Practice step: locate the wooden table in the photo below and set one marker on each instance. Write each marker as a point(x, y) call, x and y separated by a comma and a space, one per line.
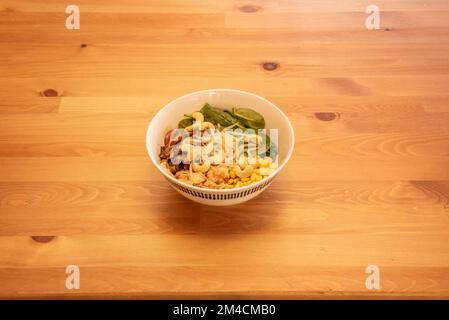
point(368, 183)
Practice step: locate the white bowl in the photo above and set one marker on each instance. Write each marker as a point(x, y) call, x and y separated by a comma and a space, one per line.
point(168, 117)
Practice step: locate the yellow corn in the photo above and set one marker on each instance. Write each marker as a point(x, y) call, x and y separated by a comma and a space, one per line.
point(265, 162)
point(266, 171)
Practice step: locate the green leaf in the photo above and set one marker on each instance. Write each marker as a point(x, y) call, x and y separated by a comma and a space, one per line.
point(249, 118)
point(217, 116)
point(273, 152)
point(184, 123)
point(270, 147)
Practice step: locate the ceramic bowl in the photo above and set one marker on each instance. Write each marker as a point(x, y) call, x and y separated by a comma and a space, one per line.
point(168, 117)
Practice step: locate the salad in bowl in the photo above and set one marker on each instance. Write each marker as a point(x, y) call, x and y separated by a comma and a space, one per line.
point(220, 146)
point(219, 149)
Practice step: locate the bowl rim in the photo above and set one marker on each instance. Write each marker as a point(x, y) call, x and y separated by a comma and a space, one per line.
point(232, 190)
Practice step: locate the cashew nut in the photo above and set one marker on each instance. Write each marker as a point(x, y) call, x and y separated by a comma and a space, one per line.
point(245, 173)
point(208, 148)
point(198, 116)
point(203, 126)
point(190, 128)
point(242, 162)
point(201, 168)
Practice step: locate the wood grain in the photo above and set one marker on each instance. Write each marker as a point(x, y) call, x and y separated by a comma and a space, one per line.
point(368, 182)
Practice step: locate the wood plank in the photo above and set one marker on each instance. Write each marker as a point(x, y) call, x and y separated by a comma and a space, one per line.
point(293, 102)
point(122, 208)
point(135, 250)
point(319, 20)
point(206, 6)
point(189, 281)
point(261, 84)
point(191, 28)
point(147, 61)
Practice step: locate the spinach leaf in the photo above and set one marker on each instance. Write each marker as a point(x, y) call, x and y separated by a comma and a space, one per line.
point(185, 123)
point(270, 147)
point(217, 116)
point(249, 118)
point(266, 143)
point(272, 151)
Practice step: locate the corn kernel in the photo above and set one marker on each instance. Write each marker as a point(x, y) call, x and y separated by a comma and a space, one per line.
point(266, 171)
point(264, 162)
point(274, 165)
point(245, 179)
point(255, 177)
